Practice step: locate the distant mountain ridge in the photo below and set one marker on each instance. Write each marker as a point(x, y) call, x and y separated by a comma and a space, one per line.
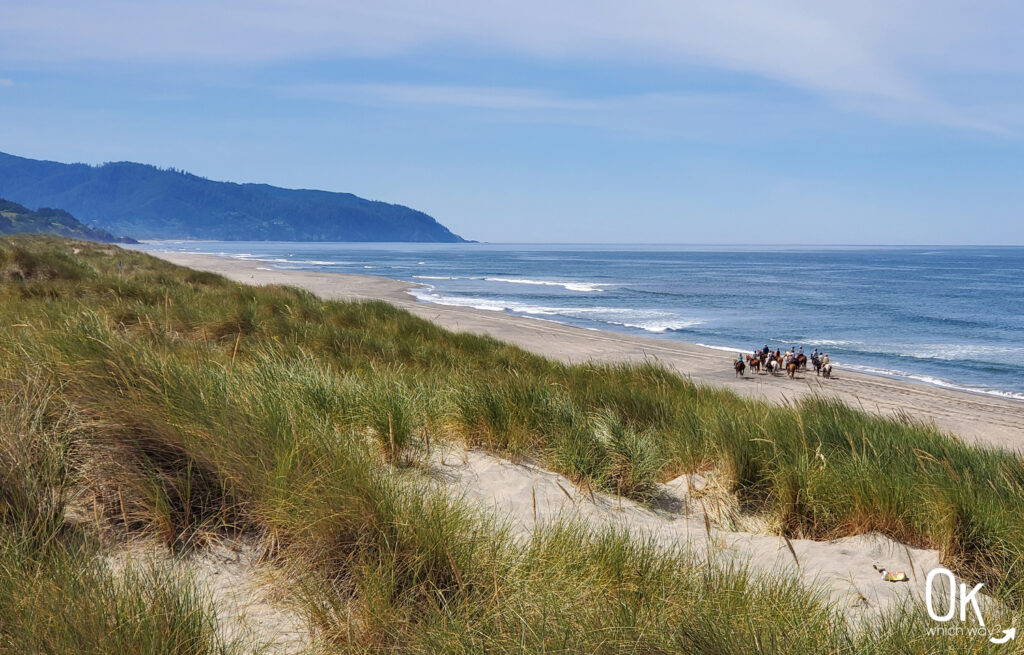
point(16, 219)
point(152, 203)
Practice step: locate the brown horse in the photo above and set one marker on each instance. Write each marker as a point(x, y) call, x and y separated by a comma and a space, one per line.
point(754, 363)
point(791, 368)
point(738, 366)
point(801, 362)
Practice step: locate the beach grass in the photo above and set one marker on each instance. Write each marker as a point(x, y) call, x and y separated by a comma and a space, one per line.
point(180, 405)
point(59, 593)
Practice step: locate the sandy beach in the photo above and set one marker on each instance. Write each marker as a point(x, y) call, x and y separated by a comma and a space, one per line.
point(974, 417)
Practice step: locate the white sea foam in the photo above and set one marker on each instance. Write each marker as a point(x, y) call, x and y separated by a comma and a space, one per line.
point(928, 379)
point(727, 349)
point(250, 257)
point(659, 326)
point(952, 352)
point(427, 294)
point(308, 262)
point(955, 351)
point(649, 320)
point(585, 287)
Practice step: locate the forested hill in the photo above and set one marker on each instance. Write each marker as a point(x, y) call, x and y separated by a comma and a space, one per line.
point(15, 219)
point(152, 203)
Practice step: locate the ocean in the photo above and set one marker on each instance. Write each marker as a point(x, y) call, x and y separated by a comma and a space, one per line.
point(947, 316)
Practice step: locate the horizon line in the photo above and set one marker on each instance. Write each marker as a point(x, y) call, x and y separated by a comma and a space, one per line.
point(612, 243)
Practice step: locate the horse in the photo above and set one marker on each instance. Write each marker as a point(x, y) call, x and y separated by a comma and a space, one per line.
point(792, 368)
point(738, 366)
point(801, 362)
point(754, 363)
point(771, 365)
point(826, 370)
point(817, 365)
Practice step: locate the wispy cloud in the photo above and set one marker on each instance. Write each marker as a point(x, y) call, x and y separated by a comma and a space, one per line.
point(6, 82)
point(865, 55)
point(467, 97)
point(706, 116)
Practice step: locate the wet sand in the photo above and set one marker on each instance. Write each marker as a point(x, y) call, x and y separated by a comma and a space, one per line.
point(974, 417)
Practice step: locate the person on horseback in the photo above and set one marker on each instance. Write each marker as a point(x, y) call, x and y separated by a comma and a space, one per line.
point(826, 366)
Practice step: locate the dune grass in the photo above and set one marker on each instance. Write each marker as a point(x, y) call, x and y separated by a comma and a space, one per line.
point(66, 599)
point(185, 406)
point(58, 592)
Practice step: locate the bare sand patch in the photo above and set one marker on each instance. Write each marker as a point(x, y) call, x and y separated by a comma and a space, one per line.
point(246, 591)
point(527, 495)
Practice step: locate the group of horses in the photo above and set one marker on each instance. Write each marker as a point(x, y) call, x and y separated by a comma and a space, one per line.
point(775, 363)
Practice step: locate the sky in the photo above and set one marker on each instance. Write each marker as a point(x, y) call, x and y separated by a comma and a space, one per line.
point(581, 121)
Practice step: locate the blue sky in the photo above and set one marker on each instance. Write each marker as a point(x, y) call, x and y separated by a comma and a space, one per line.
point(577, 121)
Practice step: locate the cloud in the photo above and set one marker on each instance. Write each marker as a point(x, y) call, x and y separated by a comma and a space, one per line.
point(467, 97)
point(873, 55)
point(6, 82)
point(704, 116)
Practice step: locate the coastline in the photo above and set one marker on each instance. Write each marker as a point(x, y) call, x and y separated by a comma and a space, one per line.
point(975, 417)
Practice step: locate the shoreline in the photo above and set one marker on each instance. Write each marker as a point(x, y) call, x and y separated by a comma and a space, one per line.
point(974, 416)
point(909, 378)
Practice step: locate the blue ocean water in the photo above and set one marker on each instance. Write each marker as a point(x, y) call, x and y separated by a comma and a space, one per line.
point(946, 316)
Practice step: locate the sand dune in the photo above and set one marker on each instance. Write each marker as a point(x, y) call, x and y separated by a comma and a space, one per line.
point(527, 495)
point(843, 568)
